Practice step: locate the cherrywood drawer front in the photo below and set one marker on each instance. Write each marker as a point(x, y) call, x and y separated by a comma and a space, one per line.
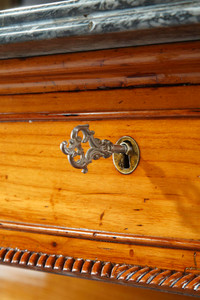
point(160, 198)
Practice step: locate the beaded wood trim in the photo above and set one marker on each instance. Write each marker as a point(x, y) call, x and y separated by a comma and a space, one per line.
point(144, 276)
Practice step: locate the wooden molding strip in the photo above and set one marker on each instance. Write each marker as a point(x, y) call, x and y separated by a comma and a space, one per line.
point(110, 237)
point(161, 113)
point(113, 100)
point(141, 276)
point(170, 64)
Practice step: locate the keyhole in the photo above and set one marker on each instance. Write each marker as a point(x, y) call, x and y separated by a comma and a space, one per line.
point(126, 161)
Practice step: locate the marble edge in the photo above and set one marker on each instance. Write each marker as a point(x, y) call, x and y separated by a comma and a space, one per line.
point(83, 18)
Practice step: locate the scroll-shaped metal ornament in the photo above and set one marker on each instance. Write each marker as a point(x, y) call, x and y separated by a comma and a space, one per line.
point(99, 148)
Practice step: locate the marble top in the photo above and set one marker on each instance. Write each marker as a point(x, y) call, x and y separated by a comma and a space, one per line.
point(79, 25)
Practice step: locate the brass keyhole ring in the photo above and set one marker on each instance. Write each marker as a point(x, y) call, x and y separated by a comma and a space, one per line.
point(133, 154)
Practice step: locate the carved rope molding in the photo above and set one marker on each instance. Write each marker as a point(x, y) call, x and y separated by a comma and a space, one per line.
point(174, 281)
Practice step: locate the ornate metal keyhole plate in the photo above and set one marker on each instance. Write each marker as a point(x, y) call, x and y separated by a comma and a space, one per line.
point(126, 163)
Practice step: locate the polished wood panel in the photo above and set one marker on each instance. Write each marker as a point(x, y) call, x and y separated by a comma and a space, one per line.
point(140, 66)
point(96, 235)
point(117, 100)
point(144, 255)
point(159, 199)
point(19, 284)
point(147, 114)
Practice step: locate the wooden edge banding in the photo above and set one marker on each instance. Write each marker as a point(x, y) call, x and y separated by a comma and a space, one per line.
point(142, 276)
point(110, 237)
point(133, 66)
point(89, 116)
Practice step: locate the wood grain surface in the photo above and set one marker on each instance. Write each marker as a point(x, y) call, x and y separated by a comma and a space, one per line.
point(122, 253)
point(104, 236)
point(94, 116)
point(135, 66)
point(159, 199)
point(117, 100)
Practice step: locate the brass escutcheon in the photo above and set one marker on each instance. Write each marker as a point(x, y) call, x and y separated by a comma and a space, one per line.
point(127, 163)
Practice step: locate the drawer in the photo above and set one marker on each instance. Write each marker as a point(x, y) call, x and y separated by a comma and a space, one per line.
point(138, 229)
point(160, 198)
